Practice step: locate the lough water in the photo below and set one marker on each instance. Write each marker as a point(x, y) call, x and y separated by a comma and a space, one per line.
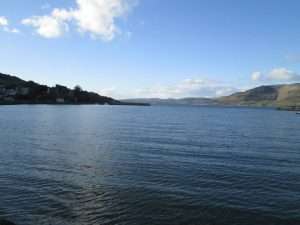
point(84, 165)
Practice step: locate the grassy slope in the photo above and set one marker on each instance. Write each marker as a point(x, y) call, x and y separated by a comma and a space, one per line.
point(274, 96)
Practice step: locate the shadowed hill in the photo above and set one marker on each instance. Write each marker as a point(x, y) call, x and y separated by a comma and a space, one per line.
point(10, 81)
point(14, 90)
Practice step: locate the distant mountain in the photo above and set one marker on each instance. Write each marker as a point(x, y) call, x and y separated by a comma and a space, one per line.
point(173, 101)
point(14, 90)
point(281, 96)
point(284, 96)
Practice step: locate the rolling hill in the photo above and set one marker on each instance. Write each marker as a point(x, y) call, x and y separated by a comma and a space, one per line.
point(282, 96)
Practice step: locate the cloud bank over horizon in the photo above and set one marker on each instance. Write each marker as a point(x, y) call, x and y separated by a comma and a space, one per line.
point(207, 88)
point(193, 87)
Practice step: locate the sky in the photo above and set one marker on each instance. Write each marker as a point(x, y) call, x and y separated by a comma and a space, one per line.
point(152, 48)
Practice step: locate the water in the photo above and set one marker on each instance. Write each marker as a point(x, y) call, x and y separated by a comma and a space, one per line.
point(123, 165)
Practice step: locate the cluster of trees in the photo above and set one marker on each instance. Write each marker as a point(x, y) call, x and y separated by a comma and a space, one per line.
point(14, 90)
point(62, 94)
point(35, 93)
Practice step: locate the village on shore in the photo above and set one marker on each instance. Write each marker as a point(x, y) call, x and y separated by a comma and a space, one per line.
point(14, 90)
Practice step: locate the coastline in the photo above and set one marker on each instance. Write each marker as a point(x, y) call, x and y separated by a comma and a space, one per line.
point(2, 103)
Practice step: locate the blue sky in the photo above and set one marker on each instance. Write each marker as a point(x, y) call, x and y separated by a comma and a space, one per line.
point(152, 48)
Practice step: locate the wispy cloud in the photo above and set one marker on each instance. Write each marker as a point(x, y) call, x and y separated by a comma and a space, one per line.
point(11, 30)
point(95, 17)
point(4, 24)
point(3, 21)
point(276, 75)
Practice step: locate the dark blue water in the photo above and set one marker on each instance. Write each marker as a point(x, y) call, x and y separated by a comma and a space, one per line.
point(87, 165)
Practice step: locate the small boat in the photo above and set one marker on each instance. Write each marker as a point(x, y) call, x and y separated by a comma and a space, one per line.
point(298, 113)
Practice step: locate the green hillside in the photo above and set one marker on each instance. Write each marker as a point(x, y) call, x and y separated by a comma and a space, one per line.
point(282, 96)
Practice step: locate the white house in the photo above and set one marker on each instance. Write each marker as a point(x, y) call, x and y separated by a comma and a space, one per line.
point(11, 92)
point(60, 100)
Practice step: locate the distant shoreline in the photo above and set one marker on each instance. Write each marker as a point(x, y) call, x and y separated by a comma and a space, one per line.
point(62, 104)
point(15, 91)
point(292, 109)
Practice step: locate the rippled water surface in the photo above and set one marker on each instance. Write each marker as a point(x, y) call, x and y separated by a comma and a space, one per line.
point(149, 165)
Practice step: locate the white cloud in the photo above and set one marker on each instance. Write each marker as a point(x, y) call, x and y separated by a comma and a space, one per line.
point(3, 21)
point(98, 17)
point(4, 24)
point(95, 17)
point(11, 30)
point(282, 74)
point(47, 26)
point(14, 30)
point(256, 76)
point(276, 75)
